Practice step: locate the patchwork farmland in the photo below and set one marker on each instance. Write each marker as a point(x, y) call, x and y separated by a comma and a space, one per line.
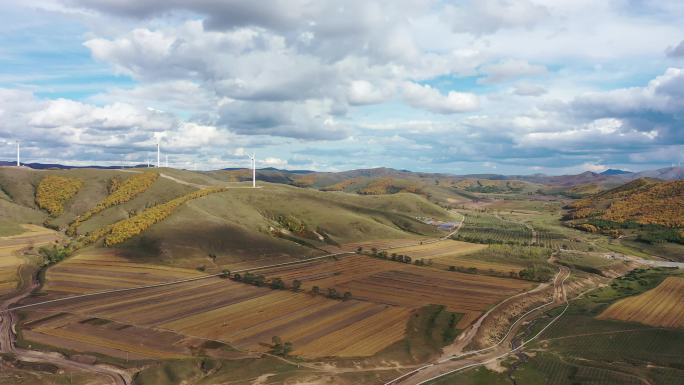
point(247, 317)
point(662, 306)
point(397, 284)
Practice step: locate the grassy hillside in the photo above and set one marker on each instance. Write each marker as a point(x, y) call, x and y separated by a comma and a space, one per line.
point(279, 221)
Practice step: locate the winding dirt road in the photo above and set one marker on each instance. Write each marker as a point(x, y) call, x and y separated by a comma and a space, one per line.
point(503, 348)
point(8, 337)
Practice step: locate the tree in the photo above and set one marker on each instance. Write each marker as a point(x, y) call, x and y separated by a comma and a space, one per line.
point(277, 284)
point(287, 348)
point(225, 273)
point(452, 268)
point(212, 256)
point(296, 284)
point(407, 259)
point(359, 250)
point(259, 280)
point(374, 251)
point(347, 296)
point(315, 290)
point(237, 277)
point(332, 293)
point(276, 341)
point(394, 256)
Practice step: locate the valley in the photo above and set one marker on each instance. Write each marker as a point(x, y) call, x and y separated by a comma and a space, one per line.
point(131, 273)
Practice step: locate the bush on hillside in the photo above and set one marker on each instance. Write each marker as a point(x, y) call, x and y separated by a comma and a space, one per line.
point(128, 228)
point(120, 192)
point(54, 191)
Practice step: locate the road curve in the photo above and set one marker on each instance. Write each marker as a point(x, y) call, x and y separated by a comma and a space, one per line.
point(470, 359)
point(8, 337)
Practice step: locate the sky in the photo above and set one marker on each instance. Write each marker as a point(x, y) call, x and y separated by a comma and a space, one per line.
point(469, 86)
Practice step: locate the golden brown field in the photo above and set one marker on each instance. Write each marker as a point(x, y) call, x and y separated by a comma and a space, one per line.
point(397, 284)
point(102, 336)
point(662, 306)
point(10, 248)
point(102, 269)
point(247, 317)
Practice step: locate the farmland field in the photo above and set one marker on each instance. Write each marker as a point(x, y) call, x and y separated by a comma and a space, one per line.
point(447, 253)
point(102, 269)
point(248, 317)
point(10, 246)
point(404, 285)
point(662, 306)
point(487, 228)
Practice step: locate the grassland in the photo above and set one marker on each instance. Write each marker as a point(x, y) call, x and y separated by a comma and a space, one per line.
point(662, 306)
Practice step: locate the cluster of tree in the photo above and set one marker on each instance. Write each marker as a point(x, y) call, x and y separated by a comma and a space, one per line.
point(280, 348)
point(120, 192)
point(54, 191)
point(641, 201)
point(259, 280)
point(662, 236)
point(114, 183)
point(332, 293)
point(389, 186)
point(292, 224)
point(489, 241)
point(127, 228)
point(490, 272)
point(537, 272)
point(54, 254)
point(340, 186)
point(391, 257)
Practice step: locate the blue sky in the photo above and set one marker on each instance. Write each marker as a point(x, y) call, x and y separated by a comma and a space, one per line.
point(488, 86)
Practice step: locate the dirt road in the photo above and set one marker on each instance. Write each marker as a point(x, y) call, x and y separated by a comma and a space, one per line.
point(452, 364)
point(8, 337)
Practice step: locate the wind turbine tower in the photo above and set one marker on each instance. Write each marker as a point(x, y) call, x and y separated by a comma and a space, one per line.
point(18, 153)
point(158, 161)
point(253, 158)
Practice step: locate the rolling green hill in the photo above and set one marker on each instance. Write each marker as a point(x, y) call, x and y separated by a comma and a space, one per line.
point(238, 225)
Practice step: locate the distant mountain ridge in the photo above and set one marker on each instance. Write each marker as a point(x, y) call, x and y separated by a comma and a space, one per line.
point(609, 175)
point(612, 171)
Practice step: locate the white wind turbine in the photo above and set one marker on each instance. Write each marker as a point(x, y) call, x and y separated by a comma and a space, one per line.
point(253, 159)
point(18, 153)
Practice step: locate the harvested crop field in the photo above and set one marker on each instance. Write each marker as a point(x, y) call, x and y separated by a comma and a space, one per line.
point(10, 247)
point(244, 316)
point(662, 306)
point(397, 284)
point(381, 244)
point(102, 336)
point(446, 248)
point(100, 269)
